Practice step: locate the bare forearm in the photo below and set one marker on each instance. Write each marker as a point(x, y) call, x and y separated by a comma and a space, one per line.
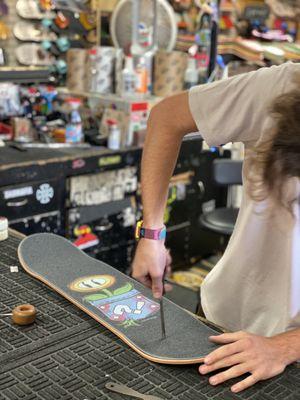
point(159, 158)
point(168, 123)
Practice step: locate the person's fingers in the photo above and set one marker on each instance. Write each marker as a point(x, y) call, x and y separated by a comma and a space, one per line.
point(222, 352)
point(227, 337)
point(168, 287)
point(230, 373)
point(146, 281)
point(244, 384)
point(157, 286)
point(225, 362)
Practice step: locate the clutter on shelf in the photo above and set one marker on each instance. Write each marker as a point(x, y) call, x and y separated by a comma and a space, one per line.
point(76, 71)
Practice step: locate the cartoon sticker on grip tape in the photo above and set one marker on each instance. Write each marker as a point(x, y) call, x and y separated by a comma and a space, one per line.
point(92, 283)
point(125, 304)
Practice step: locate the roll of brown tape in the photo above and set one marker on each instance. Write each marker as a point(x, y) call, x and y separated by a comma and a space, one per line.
point(169, 70)
point(77, 60)
point(24, 314)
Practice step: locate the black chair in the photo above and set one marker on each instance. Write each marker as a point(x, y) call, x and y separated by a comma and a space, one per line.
point(222, 220)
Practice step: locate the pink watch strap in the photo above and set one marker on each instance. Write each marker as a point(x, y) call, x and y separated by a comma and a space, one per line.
point(154, 234)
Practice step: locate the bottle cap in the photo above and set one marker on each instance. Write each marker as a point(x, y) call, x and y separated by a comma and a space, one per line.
point(111, 122)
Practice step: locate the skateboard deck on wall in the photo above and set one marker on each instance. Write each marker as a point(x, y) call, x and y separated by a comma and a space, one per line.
point(118, 302)
point(26, 31)
point(34, 54)
point(29, 9)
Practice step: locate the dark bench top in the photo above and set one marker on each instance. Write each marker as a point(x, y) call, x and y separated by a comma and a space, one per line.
point(67, 355)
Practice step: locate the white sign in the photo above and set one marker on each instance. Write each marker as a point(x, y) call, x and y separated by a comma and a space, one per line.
point(20, 192)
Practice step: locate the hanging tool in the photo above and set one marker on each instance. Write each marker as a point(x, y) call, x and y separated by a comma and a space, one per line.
point(22, 315)
point(122, 389)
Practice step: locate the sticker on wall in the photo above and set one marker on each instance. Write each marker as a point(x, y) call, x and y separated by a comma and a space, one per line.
point(95, 189)
point(44, 193)
point(124, 305)
point(79, 163)
point(109, 160)
point(20, 192)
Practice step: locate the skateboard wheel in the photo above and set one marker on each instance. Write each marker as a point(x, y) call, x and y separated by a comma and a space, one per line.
point(24, 314)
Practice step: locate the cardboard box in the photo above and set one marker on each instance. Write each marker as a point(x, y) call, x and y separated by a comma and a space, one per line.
point(104, 5)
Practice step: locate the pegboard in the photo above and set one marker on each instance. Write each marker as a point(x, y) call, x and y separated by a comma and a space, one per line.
point(12, 43)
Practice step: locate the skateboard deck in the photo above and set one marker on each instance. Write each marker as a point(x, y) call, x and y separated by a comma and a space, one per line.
point(34, 54)
point(118, 302)
point(29, 9)
point(26, 31)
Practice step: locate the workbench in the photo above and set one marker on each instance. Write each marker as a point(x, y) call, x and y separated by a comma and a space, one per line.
point(67, 355)
point(38, 194)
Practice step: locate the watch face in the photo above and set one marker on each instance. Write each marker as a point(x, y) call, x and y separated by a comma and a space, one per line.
point(142, 232)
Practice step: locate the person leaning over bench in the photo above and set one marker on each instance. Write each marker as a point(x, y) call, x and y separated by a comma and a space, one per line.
point(254, 290)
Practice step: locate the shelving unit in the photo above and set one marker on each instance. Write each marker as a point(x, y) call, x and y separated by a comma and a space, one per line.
point(25, 74)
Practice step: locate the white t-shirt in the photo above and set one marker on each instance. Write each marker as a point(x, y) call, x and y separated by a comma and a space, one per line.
point(256, 285)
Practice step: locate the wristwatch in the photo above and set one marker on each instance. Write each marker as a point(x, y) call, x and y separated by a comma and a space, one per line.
point(154, 234)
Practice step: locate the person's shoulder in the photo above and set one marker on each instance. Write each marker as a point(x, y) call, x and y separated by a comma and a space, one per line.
point(290, 72)
point(286, 68)
point(295, 72)
point(280, 78)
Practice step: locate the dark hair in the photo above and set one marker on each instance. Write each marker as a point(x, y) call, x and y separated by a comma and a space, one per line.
point(275, 161)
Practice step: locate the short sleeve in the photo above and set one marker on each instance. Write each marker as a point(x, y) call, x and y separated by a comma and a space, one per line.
point(233, 110)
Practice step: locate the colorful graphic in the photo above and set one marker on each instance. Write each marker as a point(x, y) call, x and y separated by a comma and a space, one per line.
point(92, 283)
point(44, 193)
point(85, 237)
point(125, 304)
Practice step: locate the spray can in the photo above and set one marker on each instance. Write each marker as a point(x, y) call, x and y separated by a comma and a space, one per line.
point(149, 66)
point(129, 78)
point(74, 131)
point(114, 135)
point(142, 77)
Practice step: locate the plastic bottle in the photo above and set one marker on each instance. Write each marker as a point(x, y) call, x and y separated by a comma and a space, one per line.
point(149, 65)
point(129, 78)
point(93, 70)
point(74, 133)
point(191, 76)
point(142, 77)
point(114, 135)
